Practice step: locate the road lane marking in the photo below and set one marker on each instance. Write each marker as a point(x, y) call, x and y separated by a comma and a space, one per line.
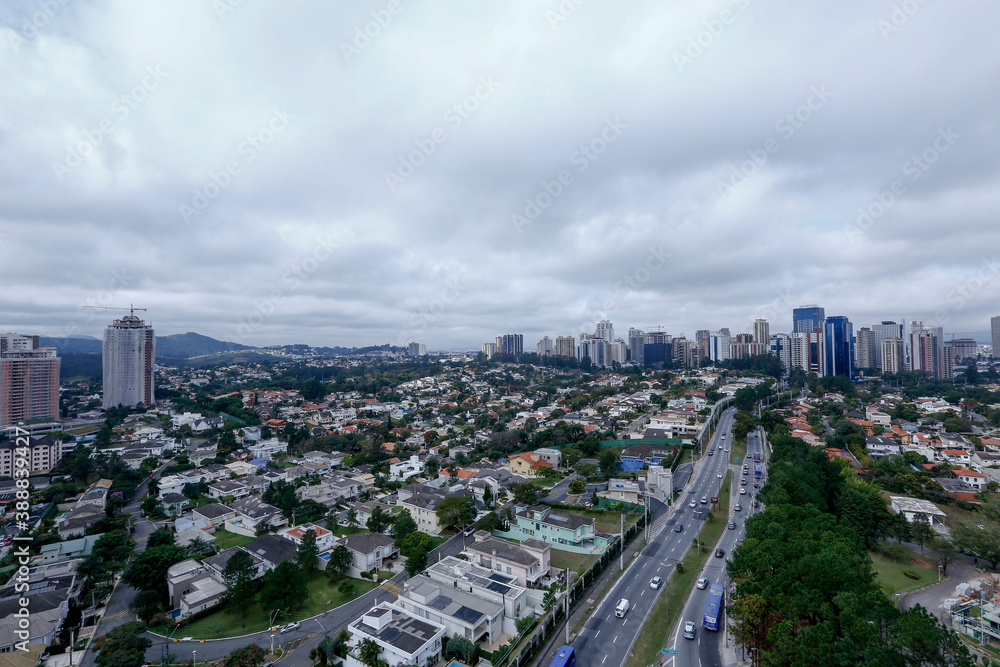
point(605, 658)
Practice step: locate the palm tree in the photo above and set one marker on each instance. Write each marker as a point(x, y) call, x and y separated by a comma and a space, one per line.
point(368, 653)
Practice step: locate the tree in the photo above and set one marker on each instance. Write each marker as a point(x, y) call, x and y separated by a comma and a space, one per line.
point(431, 467)
point(464, 648)
point(113, 547)
point(456, 511)
point(308, 553)
point(549, 599)
point(147, 605)
point(324, 651)
point(609, 461)
point(403, 525)
point(151, 506)
point(158, 537)
point(379, 520)
point(527, 494)
point(369, 652)
point(352, 518)
point(577, 486)
point(238, 575)
point(920, 530)
point(488, 496)
point(246, 656)
point(148, 570)
point(123, 646)
point(346, 587)
point(340, 562)
point(982, 542)
point(284, 588)
point(416, 563)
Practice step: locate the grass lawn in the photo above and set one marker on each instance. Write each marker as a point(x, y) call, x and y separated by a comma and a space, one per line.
point(576, 562)
point(739, 449)
point(607, 521)
point(341, 531)
point(322, 596)
point(224, 539)
point(656, 633)
point(890, 573)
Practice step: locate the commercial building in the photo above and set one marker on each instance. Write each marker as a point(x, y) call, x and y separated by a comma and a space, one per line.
point(806, 319)
point(416, 350)
point(864, 349)
point(129, 356)
point(893, 356)
point(839, 346)
point(781, 346)
point(29, 380)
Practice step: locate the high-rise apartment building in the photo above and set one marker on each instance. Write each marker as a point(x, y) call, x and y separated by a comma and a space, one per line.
point(416, 350)
point(887, 329)
point(864, 349)
point(807, 318)
point(761, 331)
point(893, 355)
point(716, 346)
point(489, 350)
point(565, 346)
point(995, 334)
point(780, 345)
point(964, 348)
point(809, 351)
point(29, 380)
point(839, 346)
point(925, 355)
point(129, 357)
point(605, 330)
point(511, 345)
point(701, 334)
point(544, 347)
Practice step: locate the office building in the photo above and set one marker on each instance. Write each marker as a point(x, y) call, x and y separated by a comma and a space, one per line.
point(29, 380)
point(416, 350)
point(893, 355)
point(701, 334)
point(887, 329)
point(636, 344)
point(864, 349)
point(565, 346)
point(544, 347)
point(809, 351)
point(761, 331)
point(716, 346)
point(129, 356)
point(807, 318)
point(839, 346)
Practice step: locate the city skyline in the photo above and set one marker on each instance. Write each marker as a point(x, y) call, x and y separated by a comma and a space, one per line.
point(376, 175)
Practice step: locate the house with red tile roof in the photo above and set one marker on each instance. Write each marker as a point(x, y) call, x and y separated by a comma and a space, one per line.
point(971, 477)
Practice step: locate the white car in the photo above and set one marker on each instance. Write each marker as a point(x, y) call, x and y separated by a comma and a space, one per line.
point(719, 475)
point(289, 627)
point(693, 503)
point(743, 491)
point(701, 583)
point(689, 630)
point(655, 582)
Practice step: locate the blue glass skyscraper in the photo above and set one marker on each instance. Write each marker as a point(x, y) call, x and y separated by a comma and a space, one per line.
point(839, 346)
point(806, 319)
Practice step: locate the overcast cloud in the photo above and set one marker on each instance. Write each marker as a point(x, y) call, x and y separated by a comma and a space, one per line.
point(269, 173)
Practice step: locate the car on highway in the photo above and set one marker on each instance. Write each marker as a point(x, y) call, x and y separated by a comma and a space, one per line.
point(739, 542)
point(701, 583)
point(679, 527)
point(655, 582)
point(756, 485)
point(704, 500)
point(732, 525)
point(689, 630)
point(723, 436)
point(693, 503)
point(719, 553)
point(743, 482)
point(738, 507)
point(469, 530)
point(743, 492)
point(288, 628)
point(711, 451)
point(621, 608)
point(719, 475)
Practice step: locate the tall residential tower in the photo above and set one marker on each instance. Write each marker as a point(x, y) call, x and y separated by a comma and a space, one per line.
point(129, 356)
point(29, 380)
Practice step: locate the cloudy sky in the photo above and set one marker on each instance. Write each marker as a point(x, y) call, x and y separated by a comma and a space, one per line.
point(360, 173)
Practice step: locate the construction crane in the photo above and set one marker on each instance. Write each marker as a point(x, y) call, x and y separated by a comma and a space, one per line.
point(130, 308)
point(958, 333)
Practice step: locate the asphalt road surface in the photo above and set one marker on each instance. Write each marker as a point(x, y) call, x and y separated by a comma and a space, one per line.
point(705, 650)
point(607, 639)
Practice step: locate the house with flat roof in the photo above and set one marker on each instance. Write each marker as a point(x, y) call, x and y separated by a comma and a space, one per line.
point(461, 613)
point(518, 601)
point(193, 588)
point(404, 638)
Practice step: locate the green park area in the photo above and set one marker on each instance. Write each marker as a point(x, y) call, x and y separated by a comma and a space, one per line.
point(322, 596)
point(892, 574)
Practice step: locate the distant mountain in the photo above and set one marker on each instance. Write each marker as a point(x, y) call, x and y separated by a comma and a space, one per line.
point(191, 344)
point(174, 346)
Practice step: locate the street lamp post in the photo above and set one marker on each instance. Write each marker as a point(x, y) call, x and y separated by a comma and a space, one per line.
point(193, 657)
point(272, 642)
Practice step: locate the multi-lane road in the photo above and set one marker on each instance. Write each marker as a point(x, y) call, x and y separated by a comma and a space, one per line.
point(705, 650)
point(607, 639)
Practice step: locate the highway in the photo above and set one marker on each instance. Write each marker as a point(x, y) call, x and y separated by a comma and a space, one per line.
point(705, 650)
point(607, 639)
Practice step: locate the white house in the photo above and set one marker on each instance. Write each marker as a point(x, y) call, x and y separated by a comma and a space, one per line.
point(404, 638)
